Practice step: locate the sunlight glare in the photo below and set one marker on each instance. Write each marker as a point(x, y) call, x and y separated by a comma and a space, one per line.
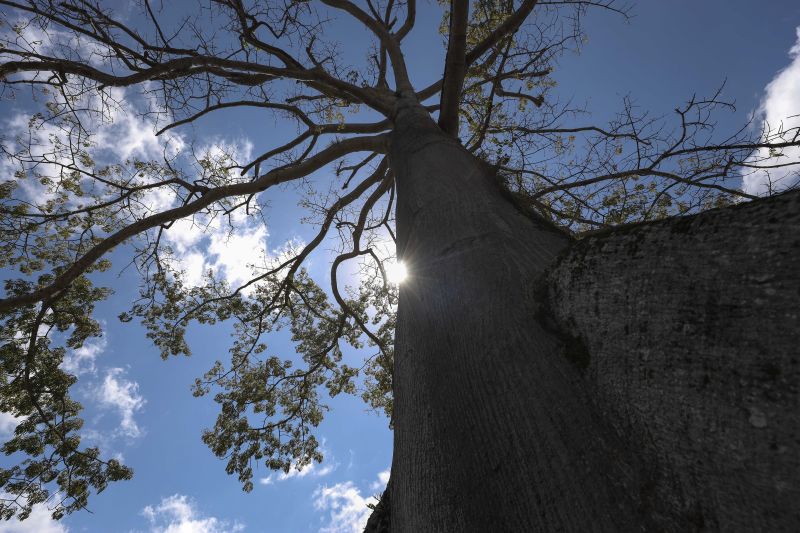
point(396, 272)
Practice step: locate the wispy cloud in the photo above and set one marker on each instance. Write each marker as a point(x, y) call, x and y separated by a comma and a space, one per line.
point(123, 396)
point(179, 514)
point(346, 507)
point(313, 470)
point(82, 360)
point(778, 111)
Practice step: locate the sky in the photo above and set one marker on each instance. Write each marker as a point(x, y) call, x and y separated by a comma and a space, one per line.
point(140, 408)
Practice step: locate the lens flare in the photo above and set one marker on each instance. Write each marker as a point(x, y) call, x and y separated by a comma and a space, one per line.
point(396, 272)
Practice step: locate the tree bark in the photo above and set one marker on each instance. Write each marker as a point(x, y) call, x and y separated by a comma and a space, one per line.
point(493, 431)
point(498, 426)
point(691, 328)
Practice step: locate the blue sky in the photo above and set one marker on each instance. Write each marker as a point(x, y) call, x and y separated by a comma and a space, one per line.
point(141, 408)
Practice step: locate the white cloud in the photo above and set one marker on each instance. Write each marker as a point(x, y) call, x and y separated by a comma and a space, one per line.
point(127, 134)
point(235, 252)
point(233, 246)
point(779, 109)
point(311, 470)
point(185, 234)
point(346, 506)
point(178, 514)
point(123, 396)
point(30, 36)
point(39, 521)
point(81, 360)
point(230, 252)
point(239, 151)
point(380, 484)
point(194, 268)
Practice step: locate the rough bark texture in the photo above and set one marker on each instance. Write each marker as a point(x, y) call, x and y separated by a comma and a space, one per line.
point(689, 331)
point(493, 429)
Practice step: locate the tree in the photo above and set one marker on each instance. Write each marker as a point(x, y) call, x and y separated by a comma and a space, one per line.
point(525, 395)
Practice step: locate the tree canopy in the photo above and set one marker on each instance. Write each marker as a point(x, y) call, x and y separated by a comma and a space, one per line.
point(66, 201)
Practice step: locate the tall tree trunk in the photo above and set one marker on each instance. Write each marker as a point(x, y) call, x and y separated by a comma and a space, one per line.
point(499, 425)
point(493, 431)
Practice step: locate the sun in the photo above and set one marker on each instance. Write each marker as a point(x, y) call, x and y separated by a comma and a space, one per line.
point(396, 272)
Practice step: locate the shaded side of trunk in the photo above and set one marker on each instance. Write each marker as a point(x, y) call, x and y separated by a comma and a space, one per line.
point(493, 428)
point(689, 331)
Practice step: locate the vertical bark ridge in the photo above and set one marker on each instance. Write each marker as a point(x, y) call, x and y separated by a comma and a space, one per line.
point(693, 329)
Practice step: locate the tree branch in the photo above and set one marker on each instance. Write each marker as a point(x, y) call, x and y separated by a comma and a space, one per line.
point(281, 175)
point(455, 67)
